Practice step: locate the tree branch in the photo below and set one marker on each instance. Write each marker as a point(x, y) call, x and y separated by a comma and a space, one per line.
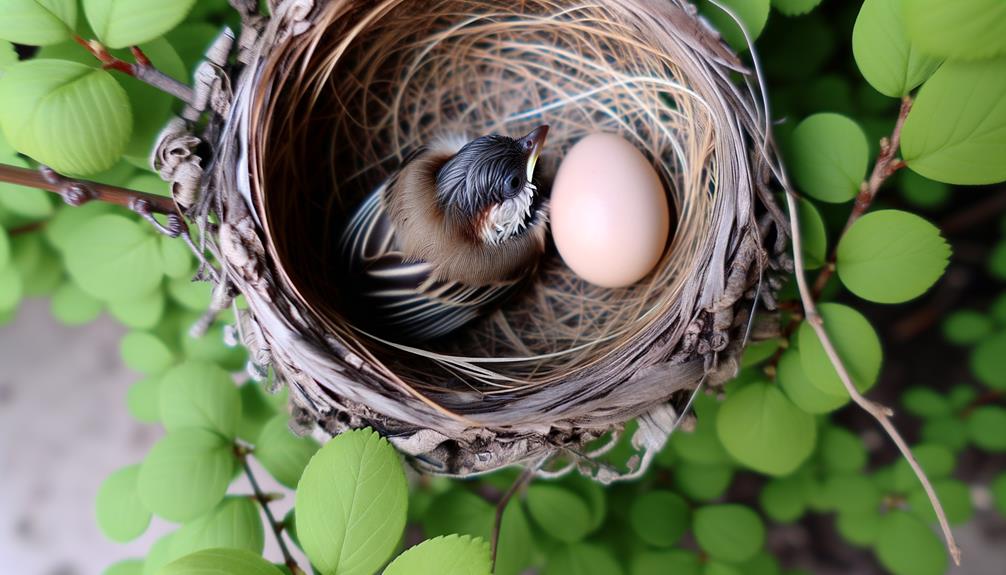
point(76, 192)
point(277, 528)
point(143, 70)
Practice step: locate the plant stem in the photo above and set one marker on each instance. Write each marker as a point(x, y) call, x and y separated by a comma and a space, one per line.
point(142, 69)
point(887, 164)
point(277, 528)
point(84, 190)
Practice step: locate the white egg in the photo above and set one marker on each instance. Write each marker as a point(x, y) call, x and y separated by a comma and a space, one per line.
point(609, 213)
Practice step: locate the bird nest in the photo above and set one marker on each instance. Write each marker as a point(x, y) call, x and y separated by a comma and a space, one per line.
point(326, 100)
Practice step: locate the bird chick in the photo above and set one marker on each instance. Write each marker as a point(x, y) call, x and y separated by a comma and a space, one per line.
point(446, 238)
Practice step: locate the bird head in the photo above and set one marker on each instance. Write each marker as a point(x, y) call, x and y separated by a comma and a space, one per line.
point(488, 185)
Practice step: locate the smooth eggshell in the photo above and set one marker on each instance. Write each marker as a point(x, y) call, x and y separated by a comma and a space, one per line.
point(608, 211)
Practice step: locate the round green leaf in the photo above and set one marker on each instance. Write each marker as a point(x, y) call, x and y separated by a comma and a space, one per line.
point(221, 562)
point(859, 527)
point(702, 444)
point(828, 157)
point(999, 493)
point(701, 481)
point(956, 131)
point(38, 22)
point(924, 402)
point(122, 23)
point(256, 411)
point(947, 431)
point(891, 256)
point(966, 327)
point(158, 556)
point(784, 499)
point(960, 30)
point(885, 55)
point(582, 559)
point(799, 388)
point(126, 567)
point(988, 361)
point(211, 347)
point(923, 192)
point(676, 561)
point(516, 543)
point(762, 429)
point(143, 400)
point(794, 7)
point(178, 260)
point(842, 451)
point(906, 546)
point(140, 313)
point(659, 518)
point(756, 352)
point(114, 258)
point(283, 454)
point(145, 352)
point(62, 228)
point(74, 118)
point(186, 474)
point(857, 344)
point(351, 504)
point(720, 568)
point(73, 306)
point(961, 396)
point(987, 428)
point(851, 492)
point(752, 13)
point(815, 238)
point(40, 267)
point(998, 309)
point(560, 512)
point(451, 555)
point(11, 288)
point(192, 295)
point(459, 511)
point(233, 524)
point(997, 261)
point(731, 533)
point(121, 515)
point(196, 394)
point(955, 496)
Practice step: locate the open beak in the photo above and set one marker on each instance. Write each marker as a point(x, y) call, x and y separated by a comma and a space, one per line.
point(534, 142)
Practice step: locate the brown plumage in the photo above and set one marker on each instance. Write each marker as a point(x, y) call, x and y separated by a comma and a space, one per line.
point(450, 235)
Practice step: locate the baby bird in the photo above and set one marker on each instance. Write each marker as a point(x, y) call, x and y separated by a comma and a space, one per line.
point(448, 236)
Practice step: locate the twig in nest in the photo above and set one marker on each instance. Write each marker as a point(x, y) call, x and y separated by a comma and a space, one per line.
point(263, 500)
point(142, 69)
point(886, 165)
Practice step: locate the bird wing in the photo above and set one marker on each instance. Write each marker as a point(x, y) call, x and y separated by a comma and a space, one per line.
point(398, 293)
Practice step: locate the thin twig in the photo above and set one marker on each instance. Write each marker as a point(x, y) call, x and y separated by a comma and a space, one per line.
point(887, 164)
point(76, 192)
point(277, 527)
point(142, 69)
point(525, 476)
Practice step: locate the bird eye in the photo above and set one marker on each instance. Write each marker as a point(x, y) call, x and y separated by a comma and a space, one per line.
point(512, 183)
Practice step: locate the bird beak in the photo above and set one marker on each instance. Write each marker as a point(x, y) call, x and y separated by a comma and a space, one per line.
point(534, 142)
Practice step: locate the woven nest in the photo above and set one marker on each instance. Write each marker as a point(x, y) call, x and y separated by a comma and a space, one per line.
point(330, 96)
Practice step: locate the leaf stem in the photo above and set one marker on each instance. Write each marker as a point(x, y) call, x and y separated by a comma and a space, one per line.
point(142, 69)
point(77, 192)
point(277, 527)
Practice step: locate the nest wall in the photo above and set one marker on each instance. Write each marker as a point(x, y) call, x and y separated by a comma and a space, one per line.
point(328, 99)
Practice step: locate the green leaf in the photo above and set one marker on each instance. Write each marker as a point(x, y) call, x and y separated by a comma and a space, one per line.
point(256, 411)
point(561, 513)
point(966, 327)
point(676, 561)
point(26, 202)
point(794, 7)
point(37, 22)
point(752, 13)
point(720, 568)
point(516, 545)
point(592, 494)
point(196, 394)
point(924, 402)
point(143, 400)
point(192, 39)
point(122, 23)
point(828, 157)
point(987, 428)
point(121, 515)
point(211, 347)
point(40, 267)
point(703, 482)
point(71, 117)
point(178, 260)
point(859, 527)
point(126, 567)
point(960, 30)
point(842, 451)
point(73, 306)
point(283, 454)
point(999, 493)
point(582, 559)
point(221, 562)
point(731, 533)
point(891, 256)
point(155, 104)
point(857, 344)
point(4, 248)
point(146, 353)
point(762, 429)
point(114, 258)
point(351, 504)
point(158, 556)
point(186, 474)
point(956, 131)
point(947, 431)
point(936, 460)
point(923, 192)
point(961, 396)
point(11, 288)
point(998, 309)
point(451, 555)
point(140, 313)
point(62, 228)
point(906, 546)
point(988, 361)
point(702, 444)
point(233, 524)
point(886, 57)
point(799, 388)
point(459, 511)
point(851, 492)
point(756, 352)
point(815, 238)
point(954, 495)
point(192, 295)
point(784, 499)
point(997, 261)
point(659, 518)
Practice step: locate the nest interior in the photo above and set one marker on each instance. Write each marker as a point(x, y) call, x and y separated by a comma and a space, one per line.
point(336, 108)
